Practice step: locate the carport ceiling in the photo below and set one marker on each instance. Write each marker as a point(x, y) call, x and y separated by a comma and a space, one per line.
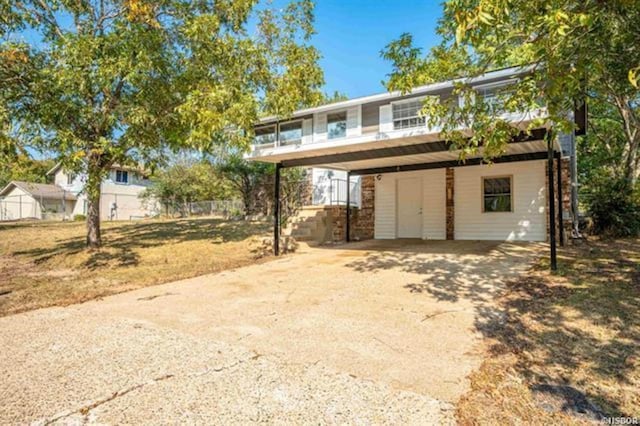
point(437, 151)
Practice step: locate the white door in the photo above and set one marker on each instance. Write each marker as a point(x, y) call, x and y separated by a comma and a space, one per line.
point(409, 208)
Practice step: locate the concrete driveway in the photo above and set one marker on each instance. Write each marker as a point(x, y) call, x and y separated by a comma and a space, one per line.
point(371, 332)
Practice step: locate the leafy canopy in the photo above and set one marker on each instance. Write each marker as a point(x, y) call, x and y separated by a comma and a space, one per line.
point(577, 49)
point(103, 82)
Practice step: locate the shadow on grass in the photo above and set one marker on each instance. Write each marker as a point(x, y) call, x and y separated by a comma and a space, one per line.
point(575, 335)
point(120, 242)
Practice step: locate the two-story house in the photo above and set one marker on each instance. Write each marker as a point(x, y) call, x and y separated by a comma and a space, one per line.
point(413, 184)
point(65, 199)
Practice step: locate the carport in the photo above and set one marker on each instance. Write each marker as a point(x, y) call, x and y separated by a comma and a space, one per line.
point(415, 155)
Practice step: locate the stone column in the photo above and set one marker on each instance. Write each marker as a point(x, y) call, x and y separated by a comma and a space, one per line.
point(364, 225)
point(450, 211)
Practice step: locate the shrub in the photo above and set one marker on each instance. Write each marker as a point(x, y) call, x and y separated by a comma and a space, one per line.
point(79, 217)
point(614, 207)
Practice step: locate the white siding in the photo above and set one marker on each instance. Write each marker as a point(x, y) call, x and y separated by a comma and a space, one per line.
point(434, 205)
point(385, 207)
point(528, 220)
point(386, 118)
point(354, 121)
point(18, 204)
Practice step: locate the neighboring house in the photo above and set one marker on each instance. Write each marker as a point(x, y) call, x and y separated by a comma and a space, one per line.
point(413, 184)
point(26, 200)
point(120, 196)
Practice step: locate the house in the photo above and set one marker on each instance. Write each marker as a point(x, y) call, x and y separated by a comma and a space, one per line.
point(413, 184)
point(26, 200)
point(65, 199)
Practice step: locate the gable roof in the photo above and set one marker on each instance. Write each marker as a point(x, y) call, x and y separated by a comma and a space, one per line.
point(39, 190)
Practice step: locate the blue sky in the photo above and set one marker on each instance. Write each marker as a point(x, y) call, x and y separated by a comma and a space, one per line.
point(351, 34)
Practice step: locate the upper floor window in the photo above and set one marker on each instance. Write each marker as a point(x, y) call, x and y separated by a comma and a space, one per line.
point(494, 96)
point(497, 194)
point(291, 132)
point(122, 176)
point(265, 135)
point(406, 114)
point(337, 125)
point(70, 178)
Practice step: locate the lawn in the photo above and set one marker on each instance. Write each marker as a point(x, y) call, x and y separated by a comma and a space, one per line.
point(569, 349)
point(46, 264)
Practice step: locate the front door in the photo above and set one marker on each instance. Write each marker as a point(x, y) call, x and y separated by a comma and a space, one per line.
point(409, 208)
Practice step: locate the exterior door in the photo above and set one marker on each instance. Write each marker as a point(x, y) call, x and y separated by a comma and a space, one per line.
point(409, 208)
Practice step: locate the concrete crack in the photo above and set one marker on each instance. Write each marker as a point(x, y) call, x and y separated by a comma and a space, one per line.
point(86, 410)
point(117, 394)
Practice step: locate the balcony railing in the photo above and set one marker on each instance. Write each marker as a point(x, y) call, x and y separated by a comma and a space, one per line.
point(334, 192)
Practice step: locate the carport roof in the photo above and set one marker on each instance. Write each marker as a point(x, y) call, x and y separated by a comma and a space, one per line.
point(428, 154)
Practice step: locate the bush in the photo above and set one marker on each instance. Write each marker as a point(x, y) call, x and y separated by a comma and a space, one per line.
point(614, 207)
point(79, 217)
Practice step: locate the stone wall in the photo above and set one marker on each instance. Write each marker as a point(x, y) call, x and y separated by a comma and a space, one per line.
point(565, 211)
point(450, 208)
point(364, 226)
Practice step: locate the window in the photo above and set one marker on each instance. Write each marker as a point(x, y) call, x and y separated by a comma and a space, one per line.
point(122, 176)
point(496, 194)
point(337, 125)
point(70, 178)
point(291, 132)
point(265, 135)
point(406, 115)
point(494, 97)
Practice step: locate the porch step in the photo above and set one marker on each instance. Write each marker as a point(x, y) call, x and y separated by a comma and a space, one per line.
point(309, 224)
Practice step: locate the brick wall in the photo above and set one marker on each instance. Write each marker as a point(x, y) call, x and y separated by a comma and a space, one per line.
point(364, 226)
point(450, 208)
point(567, 223)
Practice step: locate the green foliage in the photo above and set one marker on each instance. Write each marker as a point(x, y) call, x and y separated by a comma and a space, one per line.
point(186, 181)
point(576, 48)
point(250, 179)
point(126, 81)
point(22, 167)
point(79, 218)
point(614, 206)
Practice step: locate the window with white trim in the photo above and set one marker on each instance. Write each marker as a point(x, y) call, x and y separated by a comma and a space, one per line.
point(337, 125)
point(497, 194)
point(406, 114)
point(291, 132)
point(265, 135)
point(122, 176)
point(494, 96)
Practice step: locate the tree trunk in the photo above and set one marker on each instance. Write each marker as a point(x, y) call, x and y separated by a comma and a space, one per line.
point(94, 238)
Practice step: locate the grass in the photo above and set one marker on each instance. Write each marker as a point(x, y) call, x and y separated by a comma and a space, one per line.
point(569, 350)
point(46, 264)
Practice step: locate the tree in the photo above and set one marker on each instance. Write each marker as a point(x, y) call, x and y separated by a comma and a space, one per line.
point(187, 180)
point(125, 81)
point(578, 49)
point(23, 167)
point(248, 178)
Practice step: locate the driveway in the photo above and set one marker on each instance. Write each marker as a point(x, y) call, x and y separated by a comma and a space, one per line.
point(370, 332)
